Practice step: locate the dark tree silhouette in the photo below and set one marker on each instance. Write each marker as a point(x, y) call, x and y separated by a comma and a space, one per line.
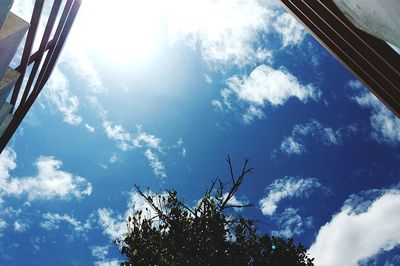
point(208, 234)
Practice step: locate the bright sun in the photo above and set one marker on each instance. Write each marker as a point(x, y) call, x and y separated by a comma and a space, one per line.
point(119, 30)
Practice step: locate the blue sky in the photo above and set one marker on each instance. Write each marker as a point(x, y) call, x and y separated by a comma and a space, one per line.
point(158, 94)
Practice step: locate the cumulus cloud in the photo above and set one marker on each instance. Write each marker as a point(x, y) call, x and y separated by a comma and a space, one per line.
point(50, 182)
point(265, 86)
point(302, 134)
point(352, 236)
point(291, 31)
point(287, 187)
point(7, 163)
point(385, 125)
point(268, 85)
point(290, 223)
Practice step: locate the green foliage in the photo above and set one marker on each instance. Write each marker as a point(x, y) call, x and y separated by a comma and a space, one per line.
point(206, 235)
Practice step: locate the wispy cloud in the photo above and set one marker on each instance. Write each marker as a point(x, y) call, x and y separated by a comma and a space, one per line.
point(385, 125)
point(314, 131)
point(264, 86)
point(180, 146)
point(126, 141)
point(3, 225)
point(49, 182)
point(75, 228)
point(57, 92)
point(113, 227)
point(89, 128)
point(20, 226)
point(111, 262)
point(52, 221)
point(353, 236)
point(100, 253)
point(155, 163)
point(284, 188)
point(290, 223)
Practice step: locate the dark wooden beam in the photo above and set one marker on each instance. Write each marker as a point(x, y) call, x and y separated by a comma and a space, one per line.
point(370, 59)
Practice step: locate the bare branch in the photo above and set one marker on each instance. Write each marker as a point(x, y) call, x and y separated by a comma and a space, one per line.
point(150, 201)
point(237, 183)
point(230, 168)
point(239, 206)
point(213, 184)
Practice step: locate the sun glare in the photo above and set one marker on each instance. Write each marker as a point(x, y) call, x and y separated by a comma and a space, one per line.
point(120, 31)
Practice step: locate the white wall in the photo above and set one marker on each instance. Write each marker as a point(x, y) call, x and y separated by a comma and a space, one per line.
point(380, 18)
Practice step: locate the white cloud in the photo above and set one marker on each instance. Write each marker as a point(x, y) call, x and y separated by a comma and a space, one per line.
point(180, 146)
point(303, 133)
point(385, 125)
point(208, 79)
point(252, 113)
point(290, 223)
point(234, 202)
point(157, 166)
point(351, 237)
point(100, 254)
point(226, 31)
point(7, 163)
point(291, 146)
point(89, 128)
point(291, 31)
point(20, 226)
point(49, 183)
point(52, 221)
point(268, 85)
point(114, 158)
point(118, 134)
point(112, 262)
point(3, 225)
point(113, 227)
point(57, 92)
point(265, 86)
point(287, 187)
point(83, 67)
point(126, 141)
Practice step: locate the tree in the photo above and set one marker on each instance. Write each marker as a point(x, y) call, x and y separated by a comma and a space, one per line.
point(208, 234)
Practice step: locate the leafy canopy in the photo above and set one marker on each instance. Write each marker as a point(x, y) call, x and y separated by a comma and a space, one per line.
point(208, 234)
